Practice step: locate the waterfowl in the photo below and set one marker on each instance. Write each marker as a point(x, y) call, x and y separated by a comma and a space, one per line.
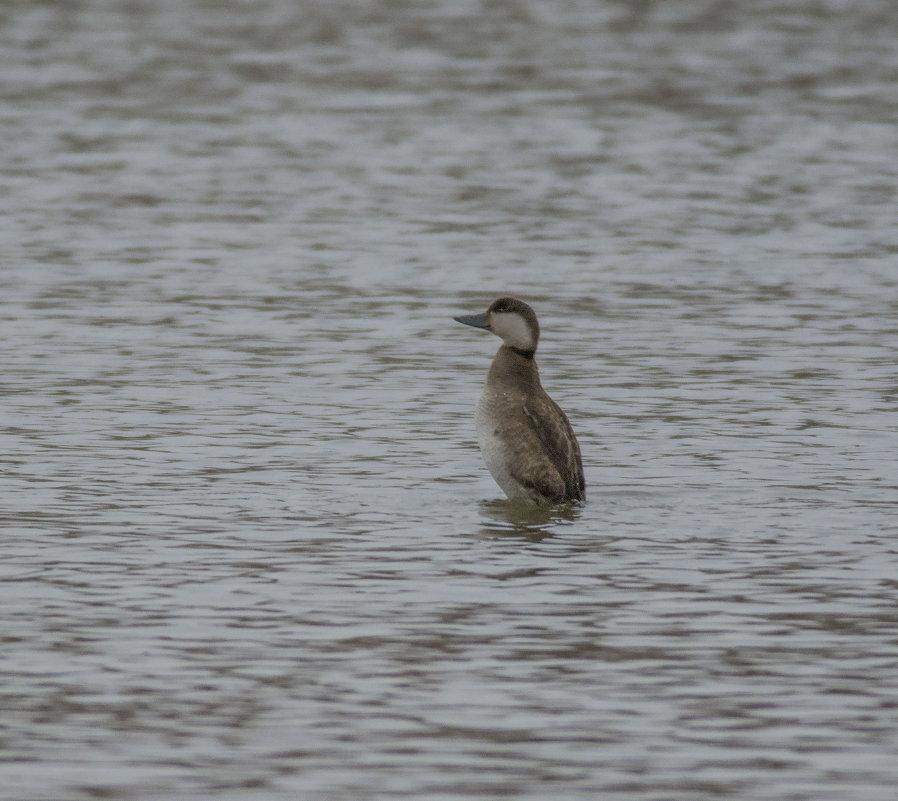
point(526, 439)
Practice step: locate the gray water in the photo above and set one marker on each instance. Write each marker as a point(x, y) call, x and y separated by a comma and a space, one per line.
point(249, 549)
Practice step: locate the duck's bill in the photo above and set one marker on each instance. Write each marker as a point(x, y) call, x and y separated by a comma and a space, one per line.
point(477, 320)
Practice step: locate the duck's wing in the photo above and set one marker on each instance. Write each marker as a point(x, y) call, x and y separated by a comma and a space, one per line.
point(551, 427)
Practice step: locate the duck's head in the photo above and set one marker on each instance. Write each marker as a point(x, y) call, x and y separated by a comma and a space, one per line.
point(510, 319)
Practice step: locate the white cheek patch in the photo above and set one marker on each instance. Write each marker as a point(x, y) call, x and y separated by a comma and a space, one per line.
point(513, 329)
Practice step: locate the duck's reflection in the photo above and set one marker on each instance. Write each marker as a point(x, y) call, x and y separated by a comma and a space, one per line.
point(523, 518)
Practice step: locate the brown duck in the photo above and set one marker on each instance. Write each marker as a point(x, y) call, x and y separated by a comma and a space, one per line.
point(526, 440)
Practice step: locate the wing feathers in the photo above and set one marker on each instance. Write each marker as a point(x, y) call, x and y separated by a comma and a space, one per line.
point(558, 475)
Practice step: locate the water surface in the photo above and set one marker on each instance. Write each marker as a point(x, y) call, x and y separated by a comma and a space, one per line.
point(249, 548)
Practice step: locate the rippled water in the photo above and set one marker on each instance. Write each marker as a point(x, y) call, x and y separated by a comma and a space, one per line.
point(249, 549)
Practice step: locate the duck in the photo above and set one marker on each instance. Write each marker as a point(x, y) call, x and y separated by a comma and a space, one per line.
point(525, 438)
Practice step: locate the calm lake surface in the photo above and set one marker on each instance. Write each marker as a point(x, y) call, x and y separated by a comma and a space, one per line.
point(249, 549)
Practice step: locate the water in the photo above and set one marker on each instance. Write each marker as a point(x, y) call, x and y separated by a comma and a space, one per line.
point(249, 548)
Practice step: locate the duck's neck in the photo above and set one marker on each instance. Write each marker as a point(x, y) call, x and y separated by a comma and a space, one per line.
point(514, 366)
point(524, 354)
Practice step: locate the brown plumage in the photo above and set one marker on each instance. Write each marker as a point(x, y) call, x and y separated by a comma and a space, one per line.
point(526, 439)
